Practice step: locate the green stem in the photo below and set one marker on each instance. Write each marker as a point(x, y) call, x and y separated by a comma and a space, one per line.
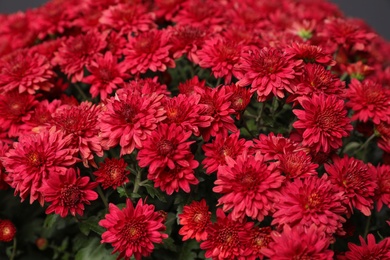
point(81, 92)
point(218, 82)
point(102, 196)
point(137, 182)
point(365, 144)
point(100, 192)
point(260, 113)
point(367, 228)
point(13, 254)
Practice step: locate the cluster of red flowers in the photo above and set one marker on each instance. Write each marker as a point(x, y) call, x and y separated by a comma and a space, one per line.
point(277, 103)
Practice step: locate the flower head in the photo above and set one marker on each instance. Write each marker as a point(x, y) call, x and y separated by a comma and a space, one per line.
point(312, 200)
point(25, 73)
point(299, 243)
point(324, 122)
point(128, 18)
point(268, 71)
point(68, 193)
point(167, 146)
point(133, 231)
point(81, 123)
point(195, 219)
point(382, 196)
point(368, 100)
point(112, 173)
point(77, 52)
point(226, 238)
point(36, 158)
point(7, 230)
point(297, 164)
point(220, 148)
point(221, 56)
point(185, 111)
point(249, 187)
point(14, 109)
point(148, 51)
point(106, 75)
point(369, 249)
point(356, 180)
point(129, 118)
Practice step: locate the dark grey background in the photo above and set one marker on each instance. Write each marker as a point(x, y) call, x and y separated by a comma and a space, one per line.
point(375, 12)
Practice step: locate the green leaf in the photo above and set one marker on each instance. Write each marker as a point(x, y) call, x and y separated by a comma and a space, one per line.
point(351, 147)
point(187, 250)
point(89, 224)
point(153, 192)
point(169, 244)
point(50, 220)
point(94, 250)
point(122, 192)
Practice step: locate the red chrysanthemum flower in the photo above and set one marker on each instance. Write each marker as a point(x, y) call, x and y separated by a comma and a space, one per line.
point(14, 109)
point(7, 230)
point(90, 19)
point(112, 173)
point(268, 71)
point(383, 129)
point(68, 193)
point(19, 29)
point(308, 201)
point(220, 148)
point(47, 49)
point(216, 101)
point(116, 44)
point(35, 158)
point(77, 52)
point(187, 39)
point(199, 13)
point(248, 186)
point(25, 73)
point(41, 116)
point(172, 180)
point(368, 250)
point(106, 75)
point(382, 196)
point(167, 8)
point(296, 164)
point(128, 18)
point(239, 99)
point(357, 70)
point(147, 86)
point(316, 80)
point(55, 16)
point(81, 123)
point(310, 54)
point(148, 51)
point(185, 111)
point(272, 145)
point(347, 33)
point(226, 238)
point(133, 231)
point(324, 122)
point(368, 100)
point(299, 243)
point(167, 146)
point(259, 239)
point(189, 87)
point(129, 118)
point(221, 56)
point(356, 180)
point(195, 219)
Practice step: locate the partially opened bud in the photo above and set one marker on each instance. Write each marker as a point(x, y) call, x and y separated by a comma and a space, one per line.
point(7, 230)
